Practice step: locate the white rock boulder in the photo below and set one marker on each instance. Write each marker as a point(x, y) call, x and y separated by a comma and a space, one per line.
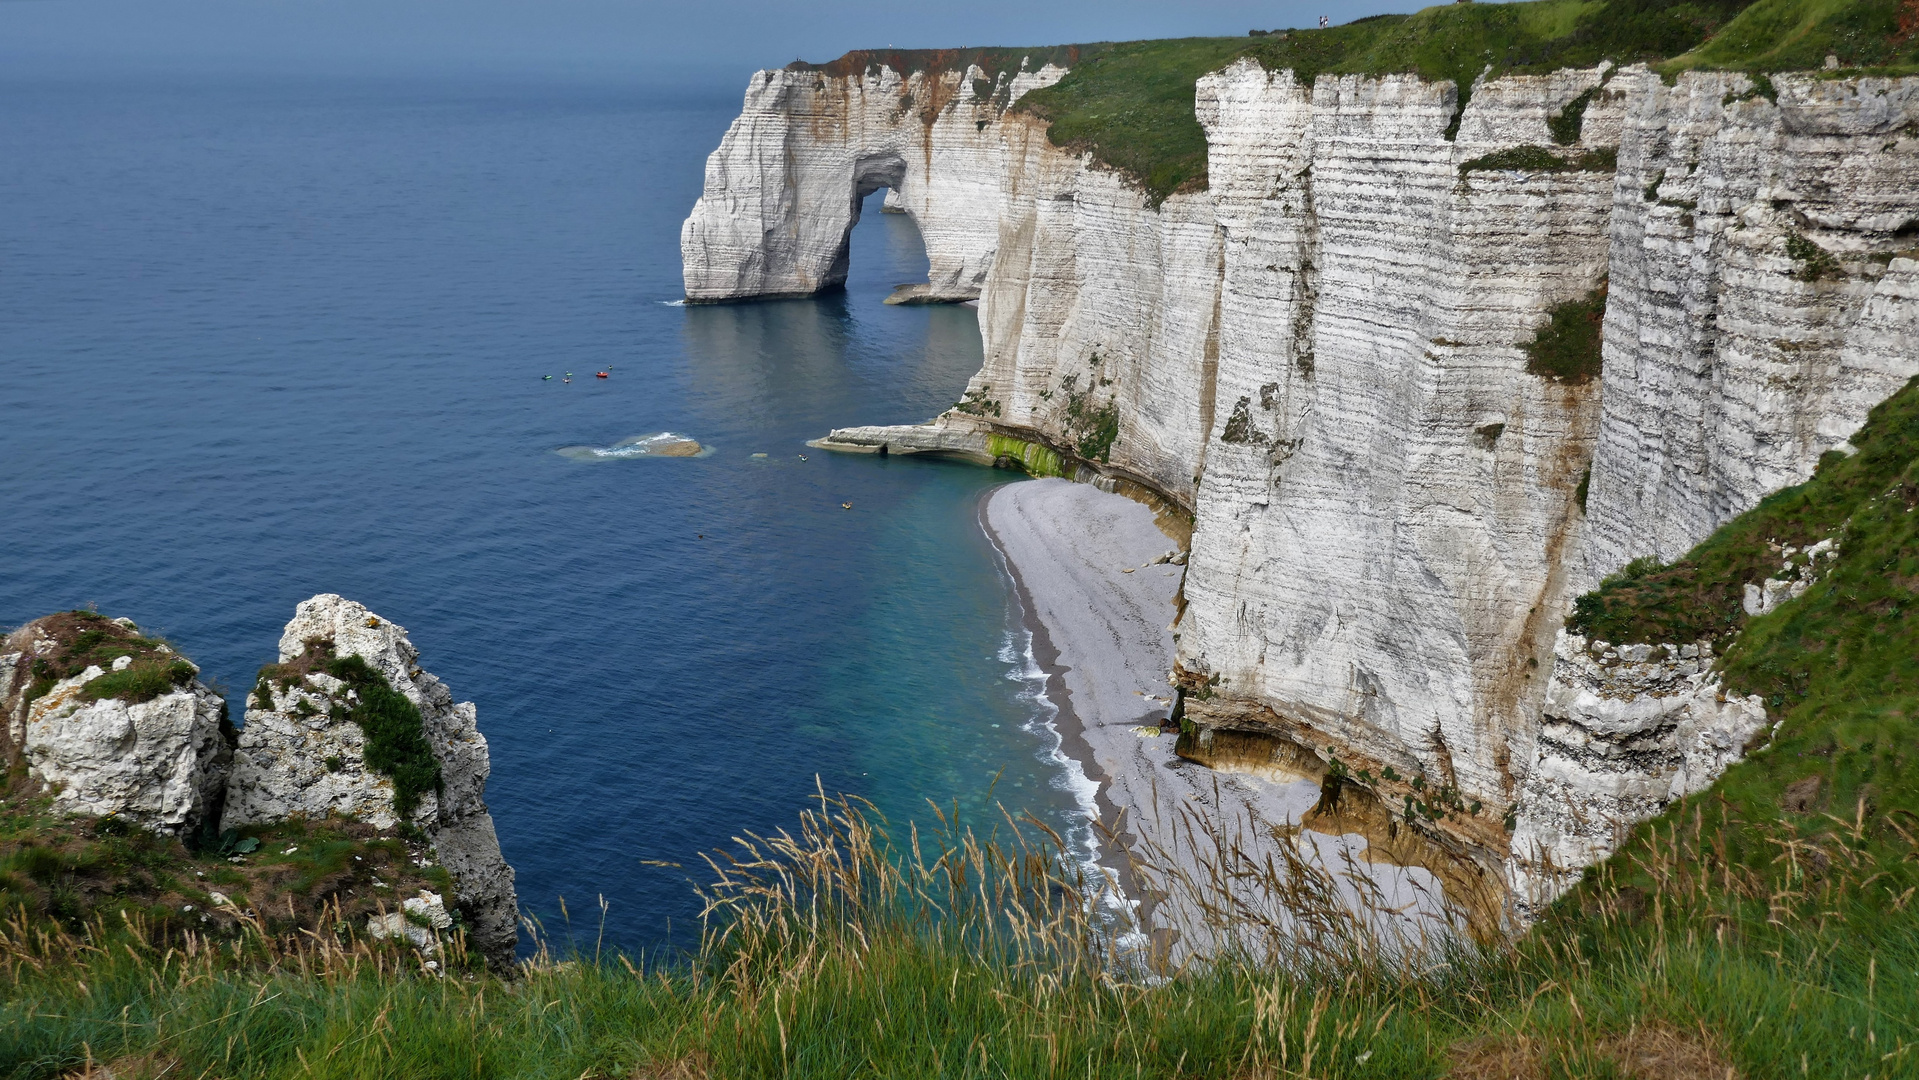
point(158, 759)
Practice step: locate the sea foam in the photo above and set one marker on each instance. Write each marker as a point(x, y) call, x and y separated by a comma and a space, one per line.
point(655, 444)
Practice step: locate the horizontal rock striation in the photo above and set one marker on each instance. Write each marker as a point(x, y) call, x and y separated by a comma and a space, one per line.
point(1327, 357)
point(1388, 493)
point(1624, 731)
point(1765, 295)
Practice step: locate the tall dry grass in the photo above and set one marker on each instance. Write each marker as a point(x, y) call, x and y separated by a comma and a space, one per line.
point(838, 949)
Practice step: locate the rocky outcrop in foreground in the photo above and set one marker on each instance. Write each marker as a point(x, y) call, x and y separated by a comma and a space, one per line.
point(347, 725)
point(116, 722)
point(305, 751)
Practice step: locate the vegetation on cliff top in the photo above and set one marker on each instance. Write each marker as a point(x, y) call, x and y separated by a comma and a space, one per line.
point(1130, 105)
point(84, 639)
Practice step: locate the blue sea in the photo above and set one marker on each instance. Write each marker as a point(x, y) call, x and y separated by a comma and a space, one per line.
point(264, 338)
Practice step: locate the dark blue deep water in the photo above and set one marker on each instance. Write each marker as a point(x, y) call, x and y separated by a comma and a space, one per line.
point(264, 339)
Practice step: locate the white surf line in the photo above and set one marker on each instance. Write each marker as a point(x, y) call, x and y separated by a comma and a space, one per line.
point(1102, 885)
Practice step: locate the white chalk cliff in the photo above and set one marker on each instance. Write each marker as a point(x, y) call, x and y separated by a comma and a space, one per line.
point(783, 190)
point(1320, 357)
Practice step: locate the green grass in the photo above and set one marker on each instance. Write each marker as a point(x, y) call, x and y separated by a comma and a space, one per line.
point(66, 873)
point(1540, 159)
point(1567, 348)
point(1798, 35)
point(832, 953)
point(142, 682)
point(396, 743)
point(1838, 668)
point(1131, 108)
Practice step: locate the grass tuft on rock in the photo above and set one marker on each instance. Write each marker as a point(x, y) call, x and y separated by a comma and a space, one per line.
point(1540, 159)
point(1568, 347)
point(84, 639)
point(396, 742)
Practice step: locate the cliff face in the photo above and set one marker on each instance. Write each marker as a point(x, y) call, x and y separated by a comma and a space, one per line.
point(1324, 357)
point(1389, 495)
point(1763, 295)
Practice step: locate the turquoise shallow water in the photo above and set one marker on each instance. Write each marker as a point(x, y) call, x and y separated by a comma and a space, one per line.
point(270, 338)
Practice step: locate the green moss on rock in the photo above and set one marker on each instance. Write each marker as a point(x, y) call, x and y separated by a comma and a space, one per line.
point(396, 742)
point(1036, 459)
point(1568, 347)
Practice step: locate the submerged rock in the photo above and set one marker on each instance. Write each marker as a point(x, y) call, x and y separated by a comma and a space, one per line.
point(132, 733)
point(657, 444)
point(302, 752)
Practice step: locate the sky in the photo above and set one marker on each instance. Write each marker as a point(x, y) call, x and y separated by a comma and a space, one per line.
point(692, 42)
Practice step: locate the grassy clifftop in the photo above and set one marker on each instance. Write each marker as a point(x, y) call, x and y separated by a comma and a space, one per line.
point(1131, 104)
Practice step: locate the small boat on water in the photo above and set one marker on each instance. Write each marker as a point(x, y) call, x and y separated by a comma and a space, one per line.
point(599, 375)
